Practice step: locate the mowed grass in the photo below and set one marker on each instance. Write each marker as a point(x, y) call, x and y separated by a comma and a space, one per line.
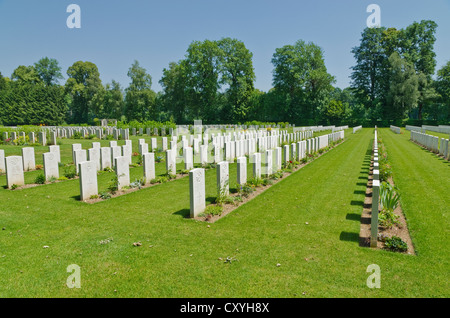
point(307, 224)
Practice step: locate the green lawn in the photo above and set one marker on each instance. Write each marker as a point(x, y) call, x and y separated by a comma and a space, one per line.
point(179, 257)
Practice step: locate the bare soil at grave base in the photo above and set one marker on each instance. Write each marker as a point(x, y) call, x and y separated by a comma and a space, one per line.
point(228, 208)
point(400, 230)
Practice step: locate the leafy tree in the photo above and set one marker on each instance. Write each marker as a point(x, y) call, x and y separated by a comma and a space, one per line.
point(113, 102)
point(443, 88)
point(301, 77)
point(368, 74)
point(403, 94)
point(237, 72)
point(417, 47)
point(26, 74)
point(175, 84)
point(48, 71)
point(202, 69)
point(139, 98)
point(83, 85)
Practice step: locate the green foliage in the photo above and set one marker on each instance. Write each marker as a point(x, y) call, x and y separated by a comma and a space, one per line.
point(84, 88)
point(40, 179)
point(301, 78)
point(213, 210)
point(139, 98)
point(70, 172)
point(395, 243)
point(389, 197)
point(105, 195)
point(113, 185)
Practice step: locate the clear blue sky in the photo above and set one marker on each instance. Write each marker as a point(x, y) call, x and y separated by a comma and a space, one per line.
point(115, 33)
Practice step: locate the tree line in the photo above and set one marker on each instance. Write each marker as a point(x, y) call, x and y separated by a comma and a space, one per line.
point(391, 82)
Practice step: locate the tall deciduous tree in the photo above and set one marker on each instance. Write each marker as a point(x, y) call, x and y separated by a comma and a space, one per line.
point(48, 70)
point(403, 93)
point(113, 103)
point(83, 86)
point(139, 98)
point(236, 69)
point(301, 76)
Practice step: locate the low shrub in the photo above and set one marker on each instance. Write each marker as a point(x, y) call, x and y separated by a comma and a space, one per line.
point(40, 179)
point(70, 172)
point(395, 243)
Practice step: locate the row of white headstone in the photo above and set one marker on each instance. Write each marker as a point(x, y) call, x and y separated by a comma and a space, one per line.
point(375, 194)
point(355, 129)
point(432, 143)
point(41, 137)
point(395, 129)
point(15, 166)
point(265, 167)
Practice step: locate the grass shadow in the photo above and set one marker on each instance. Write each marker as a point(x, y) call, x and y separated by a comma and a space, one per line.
point(349, 237)
point(185, 213)
point(353, 217)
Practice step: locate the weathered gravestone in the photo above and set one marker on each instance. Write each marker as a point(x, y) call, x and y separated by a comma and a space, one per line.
point(171, 166)
point(29, 162)
point(122, 171)
point(148, 160)
point(51, 169)
point(242, 170)
point(80, 156)
point(88, 180)
point(14, 171)
point(223, 187)
point(256, 162)
point(2, 161)
point(105, 158)
point(197, 191)
point(55, 150)
point(94, 155)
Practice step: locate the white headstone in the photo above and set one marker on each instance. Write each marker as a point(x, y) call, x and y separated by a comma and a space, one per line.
point(14, 171)
point(197, 191)
point(29, 162)
point(223, 187)
point(122, 171)
point(88, 179)
point(242, 170)
point(80, 156)
point(105, 158)
point(51, 168)
point(148, 160)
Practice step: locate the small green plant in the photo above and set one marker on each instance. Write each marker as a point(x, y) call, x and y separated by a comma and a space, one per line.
point(52, 179)
point(255, 182)
point(108, 169)
point(105, 195)
point(389, 197)
point(40, 179)
point(94, 196)
point(395, 243)
point(137, 183)
point(113, 184)
point(387, 218)
point(14, 187)
point(70, 172)
point(213, 210)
